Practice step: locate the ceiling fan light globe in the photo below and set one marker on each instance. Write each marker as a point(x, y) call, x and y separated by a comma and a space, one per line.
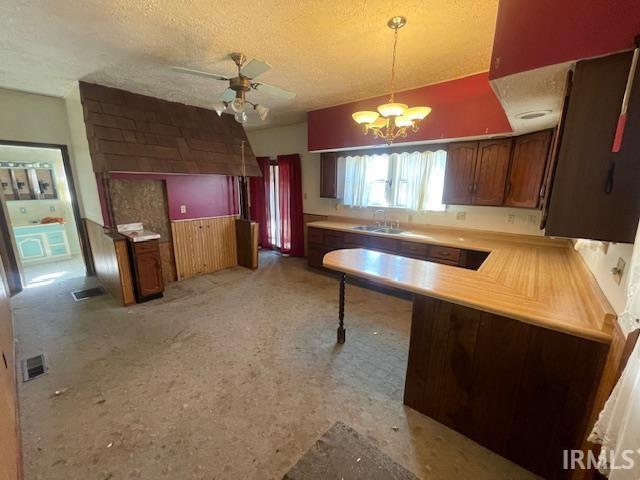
point(365, 117)
point(392, 109)
point(403, 121)
point(417, 113)
point(219, 107)
point(241, 117)
point(237, 105)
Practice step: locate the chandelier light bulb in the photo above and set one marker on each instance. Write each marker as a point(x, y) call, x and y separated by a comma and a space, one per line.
point(241, 117)
point(262, 111)
point(220, 107)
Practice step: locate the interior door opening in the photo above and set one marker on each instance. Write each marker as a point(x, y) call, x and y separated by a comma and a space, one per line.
point(40, 215)
point(275, 226)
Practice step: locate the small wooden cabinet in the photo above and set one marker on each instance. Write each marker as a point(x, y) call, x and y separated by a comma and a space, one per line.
point(502, 172)
point(328, 175)
point(530, 153)
point(491, 169)
point(476, 172)
point(458, 178)
point(147, 270)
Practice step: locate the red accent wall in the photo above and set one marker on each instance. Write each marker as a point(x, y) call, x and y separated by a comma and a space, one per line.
point(536, 33)
point(204, 195)
point(461, 108)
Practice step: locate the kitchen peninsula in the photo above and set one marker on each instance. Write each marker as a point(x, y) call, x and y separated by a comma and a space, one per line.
point(509, 353)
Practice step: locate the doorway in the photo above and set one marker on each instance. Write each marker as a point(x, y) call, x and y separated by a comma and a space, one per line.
point(42, 229)
point(275, 226)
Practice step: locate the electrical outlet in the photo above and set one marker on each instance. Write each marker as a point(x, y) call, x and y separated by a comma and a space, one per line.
point(183, 209)
point(618, 270)
point(510, 218)
point(532, 219)
point(52, 208)
point(461, 216)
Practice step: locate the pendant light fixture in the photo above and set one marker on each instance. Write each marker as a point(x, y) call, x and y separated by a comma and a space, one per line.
point(392, 120)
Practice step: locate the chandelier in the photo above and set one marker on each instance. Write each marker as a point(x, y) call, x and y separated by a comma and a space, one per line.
point(392, 120)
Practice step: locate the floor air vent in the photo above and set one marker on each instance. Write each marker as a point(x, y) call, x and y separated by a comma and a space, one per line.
point(87, 293)
point(33, 367)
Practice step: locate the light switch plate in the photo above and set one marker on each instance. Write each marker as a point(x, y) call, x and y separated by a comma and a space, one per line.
point(510, 218)
point(183, 209)
point(618, 270)
point(461, 216)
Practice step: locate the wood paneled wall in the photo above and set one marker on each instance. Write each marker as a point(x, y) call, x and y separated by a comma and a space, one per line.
point(203, 246)
point(523, 391)
point(111, 259)
point(10, 445)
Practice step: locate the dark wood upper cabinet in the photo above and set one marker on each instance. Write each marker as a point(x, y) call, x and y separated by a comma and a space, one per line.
point(595, 191)
point(328, 175)
point(459, 173)
point(530, 154)
point(490, 177)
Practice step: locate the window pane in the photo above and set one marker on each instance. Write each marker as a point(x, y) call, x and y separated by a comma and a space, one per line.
point(377, 193)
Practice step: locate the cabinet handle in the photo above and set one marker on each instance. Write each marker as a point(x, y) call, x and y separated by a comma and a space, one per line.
point(543, 189)
point(4, 359)
point(475, 187)
point(508, 187)
point(470, 188)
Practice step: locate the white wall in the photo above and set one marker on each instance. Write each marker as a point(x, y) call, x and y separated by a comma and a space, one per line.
point(601, 263)
point(28, 117)
point(293, 139)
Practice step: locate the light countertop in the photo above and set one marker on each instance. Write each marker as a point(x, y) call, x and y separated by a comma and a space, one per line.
point(537, 280)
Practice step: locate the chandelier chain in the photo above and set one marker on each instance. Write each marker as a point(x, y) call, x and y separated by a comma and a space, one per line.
point(393, 63)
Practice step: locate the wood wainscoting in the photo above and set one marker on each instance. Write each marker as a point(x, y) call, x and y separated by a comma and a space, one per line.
point(204, 245)
point(10, 444)
point(111, 260)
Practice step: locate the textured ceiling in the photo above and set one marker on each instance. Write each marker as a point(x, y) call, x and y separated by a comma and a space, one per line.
point(328, 52)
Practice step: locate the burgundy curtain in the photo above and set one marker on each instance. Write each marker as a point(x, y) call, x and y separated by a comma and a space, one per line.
point(259, 196)
point(290, 186)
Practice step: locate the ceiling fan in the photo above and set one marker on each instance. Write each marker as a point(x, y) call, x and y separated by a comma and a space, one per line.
point(235, 95)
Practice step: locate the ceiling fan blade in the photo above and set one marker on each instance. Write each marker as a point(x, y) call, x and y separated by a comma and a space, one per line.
point(254, 68)
point(274, 91)
point(199, 73)
point(227, 96)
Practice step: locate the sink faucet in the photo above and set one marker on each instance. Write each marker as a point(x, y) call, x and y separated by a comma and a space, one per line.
point(384, 216)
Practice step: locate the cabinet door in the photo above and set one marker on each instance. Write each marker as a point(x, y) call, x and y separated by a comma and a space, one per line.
point(149, 273)
point(328, 175)
point(490, 177)
point(595, 191)
point(528, 163)
point(458, 178)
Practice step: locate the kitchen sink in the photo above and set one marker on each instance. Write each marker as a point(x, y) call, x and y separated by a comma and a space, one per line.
point(368, 228)
point(379, 229)
point(393, 231)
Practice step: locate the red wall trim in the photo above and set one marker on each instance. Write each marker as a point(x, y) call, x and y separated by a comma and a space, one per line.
point(461, 108)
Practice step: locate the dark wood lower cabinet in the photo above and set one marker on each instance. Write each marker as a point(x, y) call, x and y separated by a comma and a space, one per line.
point(523, 391)
point(322, 241)
point(147, 270)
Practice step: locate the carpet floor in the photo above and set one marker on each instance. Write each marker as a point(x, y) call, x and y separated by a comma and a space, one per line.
point(231, 375)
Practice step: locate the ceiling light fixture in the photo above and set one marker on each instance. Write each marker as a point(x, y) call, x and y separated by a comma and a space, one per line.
point(392, 120)
point(533, 114)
